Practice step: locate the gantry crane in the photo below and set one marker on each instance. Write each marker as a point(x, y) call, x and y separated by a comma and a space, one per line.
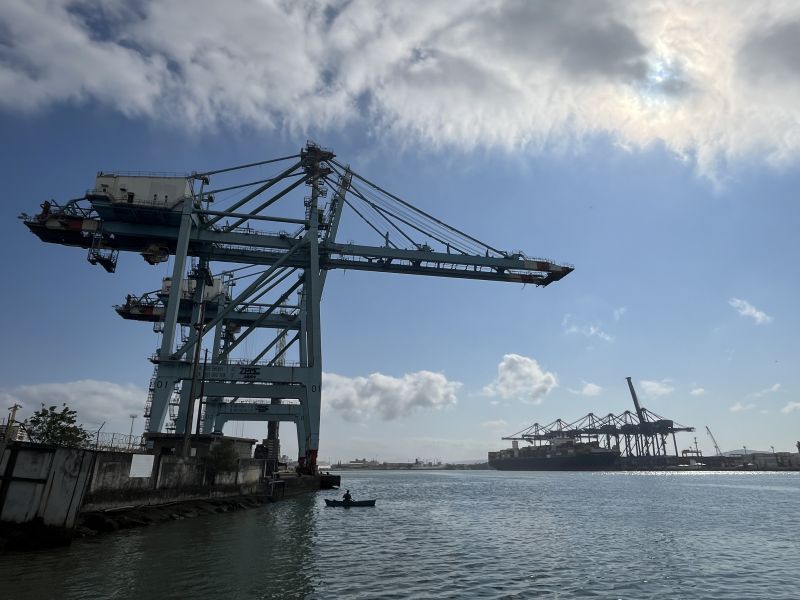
point(641, 436)
point(162, 216)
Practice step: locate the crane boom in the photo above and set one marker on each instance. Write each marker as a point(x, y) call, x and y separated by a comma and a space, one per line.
point(639, 412)
point(714, 441)
point(267, 249)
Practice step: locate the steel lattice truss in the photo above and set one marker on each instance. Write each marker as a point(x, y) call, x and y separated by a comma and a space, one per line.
point(625, 431)
point(252, 254)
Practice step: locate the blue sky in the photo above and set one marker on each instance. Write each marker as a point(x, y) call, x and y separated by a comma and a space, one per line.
point(655, 151)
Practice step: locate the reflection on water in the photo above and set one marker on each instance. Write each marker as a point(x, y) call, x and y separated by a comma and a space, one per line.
point(449, 534)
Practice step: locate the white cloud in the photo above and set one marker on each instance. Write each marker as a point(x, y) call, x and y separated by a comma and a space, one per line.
point(520, 377)
point(620, 312)
point(791, 407)
point(585, 330)
point(770, 390)
point(359, 398)
point(739, 407)
point(698, 391)
point(744, 308)
point(591, 331)
point(498, 424)
point(95, 402)
point(589, 389)
point(712, 81)
point(655, 389)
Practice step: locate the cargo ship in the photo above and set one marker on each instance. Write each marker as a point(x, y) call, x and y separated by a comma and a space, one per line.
point(561, 454)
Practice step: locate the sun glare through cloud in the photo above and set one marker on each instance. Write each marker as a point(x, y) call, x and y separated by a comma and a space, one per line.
point(507, 75)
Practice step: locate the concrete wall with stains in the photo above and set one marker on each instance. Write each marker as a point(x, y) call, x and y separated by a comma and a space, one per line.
point(43, 484)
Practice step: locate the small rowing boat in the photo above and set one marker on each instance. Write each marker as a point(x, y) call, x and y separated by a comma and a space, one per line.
point(346, 503)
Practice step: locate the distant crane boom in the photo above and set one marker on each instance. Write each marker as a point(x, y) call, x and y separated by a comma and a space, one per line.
point(716, 446)
point(639, 412)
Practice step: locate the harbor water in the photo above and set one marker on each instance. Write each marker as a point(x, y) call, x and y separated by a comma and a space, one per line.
point(456, 534)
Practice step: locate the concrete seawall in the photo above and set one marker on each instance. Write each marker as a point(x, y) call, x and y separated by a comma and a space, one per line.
point(47, 492)
point(186, 504)
point(116, 481)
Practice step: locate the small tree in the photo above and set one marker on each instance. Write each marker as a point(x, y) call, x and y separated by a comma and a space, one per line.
point(58, 427)
point(222, 457)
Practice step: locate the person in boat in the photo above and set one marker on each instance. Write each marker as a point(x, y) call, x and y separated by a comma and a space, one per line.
point(347, 497)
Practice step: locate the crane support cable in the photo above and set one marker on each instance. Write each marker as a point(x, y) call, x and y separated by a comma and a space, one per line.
point(244, 185)
point(372, 204)
point(367, 221)
point(258, 191)
point(275, 282)
point(283, 350)
point(237, 269)
point(271, 345)
point(376, 207)
point(461, 243)
point(247, 166)
point(257, 322)
point(246, 275)
point(422, 212)
point(376, 214)
point(268, 203)
point(441, 235)
point(380, 215)
point(410, 219)
point(391, 223)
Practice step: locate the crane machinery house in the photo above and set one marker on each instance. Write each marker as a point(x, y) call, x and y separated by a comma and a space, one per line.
point(143, 190)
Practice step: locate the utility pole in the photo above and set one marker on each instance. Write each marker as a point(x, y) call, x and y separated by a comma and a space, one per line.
point(9, 426)
point(130, 435)
point(97, 438)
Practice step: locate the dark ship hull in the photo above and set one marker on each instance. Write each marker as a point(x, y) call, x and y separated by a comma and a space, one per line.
point(595, 461)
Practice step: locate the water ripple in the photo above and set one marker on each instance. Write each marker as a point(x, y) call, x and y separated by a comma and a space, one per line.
point(453, 535)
